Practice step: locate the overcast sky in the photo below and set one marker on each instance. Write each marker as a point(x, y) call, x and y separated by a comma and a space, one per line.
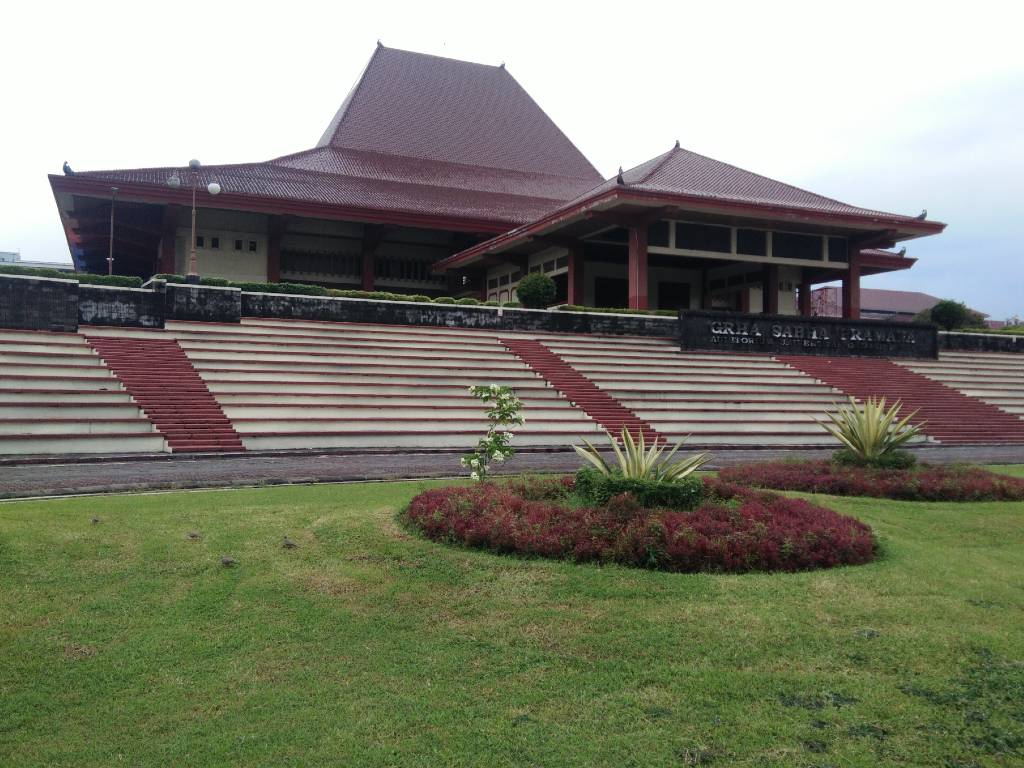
point(891, 105)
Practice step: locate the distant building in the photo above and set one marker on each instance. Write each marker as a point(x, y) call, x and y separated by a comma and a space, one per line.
point(14, 257)
point(439, 176)
point(875, 303)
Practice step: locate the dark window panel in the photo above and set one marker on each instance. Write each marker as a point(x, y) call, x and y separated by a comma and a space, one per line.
point(787, 245)
point(837, 249)
point(701, 237)
point(752, 242)
point(657, 234)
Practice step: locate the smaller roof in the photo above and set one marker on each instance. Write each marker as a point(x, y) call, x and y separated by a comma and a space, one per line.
point(680, 180)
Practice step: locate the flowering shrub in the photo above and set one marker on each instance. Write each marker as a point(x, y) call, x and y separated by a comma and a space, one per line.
point(926, 483)
point(503, 411)
point(737, 529)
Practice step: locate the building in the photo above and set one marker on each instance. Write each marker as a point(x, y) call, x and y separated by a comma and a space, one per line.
point(13, 258)
point(875, 303)
point(439, 176)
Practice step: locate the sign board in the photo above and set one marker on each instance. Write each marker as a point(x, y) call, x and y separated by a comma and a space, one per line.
point(788, 335)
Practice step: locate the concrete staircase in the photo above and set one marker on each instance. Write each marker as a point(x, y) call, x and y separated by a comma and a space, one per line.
point(299, 384)
point(161, 379)
point(58, 397)
point(579, 390)
point(996, 378)
point(950, 416)
point(713, 399)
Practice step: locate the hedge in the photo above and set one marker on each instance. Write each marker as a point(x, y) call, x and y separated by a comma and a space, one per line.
point(121, 281)
point(924, 483)
point(736, 530)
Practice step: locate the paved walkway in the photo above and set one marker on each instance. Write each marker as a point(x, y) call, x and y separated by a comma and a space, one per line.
point(113, 474)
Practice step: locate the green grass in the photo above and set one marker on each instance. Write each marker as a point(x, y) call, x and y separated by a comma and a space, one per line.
point(126, 643)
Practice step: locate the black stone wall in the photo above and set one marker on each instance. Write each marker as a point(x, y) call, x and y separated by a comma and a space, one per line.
point(201, 303)
point(281, 307)
point(981, 342)
point(124, 307)
point(38, 303)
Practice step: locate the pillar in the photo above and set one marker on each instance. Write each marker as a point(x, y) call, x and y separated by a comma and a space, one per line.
point(851, 287)
point(637, 267)
point(575, 294)
point(770, 289)
point(805, 296)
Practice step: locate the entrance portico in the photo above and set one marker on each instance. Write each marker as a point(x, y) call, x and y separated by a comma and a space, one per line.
point(649, 239)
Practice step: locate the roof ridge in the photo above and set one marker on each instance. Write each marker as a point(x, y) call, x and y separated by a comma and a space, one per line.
point(658, 166)
point(339, 116)
point(443, 58)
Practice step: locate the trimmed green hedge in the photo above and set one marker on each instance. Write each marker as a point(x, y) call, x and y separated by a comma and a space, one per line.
point(120, 281)
point(596, 488)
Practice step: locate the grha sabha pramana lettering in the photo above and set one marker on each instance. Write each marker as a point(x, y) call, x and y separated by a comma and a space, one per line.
point(753, 331)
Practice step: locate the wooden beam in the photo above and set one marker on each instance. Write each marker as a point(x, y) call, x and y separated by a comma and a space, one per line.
point(372, 235)
point(276, 226)
point(576, 284)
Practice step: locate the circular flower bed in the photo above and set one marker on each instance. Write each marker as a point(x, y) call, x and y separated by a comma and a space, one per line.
point(736, 529)
point(923, 483)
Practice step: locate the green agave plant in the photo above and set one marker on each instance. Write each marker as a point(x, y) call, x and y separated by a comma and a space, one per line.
point(638, 462)
point(871, 430)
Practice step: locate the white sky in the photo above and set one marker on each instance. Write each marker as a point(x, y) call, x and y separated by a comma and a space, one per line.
point(891, 105)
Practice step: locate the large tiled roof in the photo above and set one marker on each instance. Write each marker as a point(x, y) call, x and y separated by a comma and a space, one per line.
point(455, 111)
point(419, 135)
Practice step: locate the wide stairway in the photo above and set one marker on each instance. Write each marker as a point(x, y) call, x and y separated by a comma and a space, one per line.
point(58, 397)
point(299, 384)
point(158, 374)
point(949, 416)
point(996, 378)
point(715, 399)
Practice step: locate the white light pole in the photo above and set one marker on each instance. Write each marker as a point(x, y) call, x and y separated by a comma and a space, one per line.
point(214, 189)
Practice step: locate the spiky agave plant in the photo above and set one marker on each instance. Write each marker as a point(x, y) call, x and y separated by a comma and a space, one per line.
point(638, 462)
point(871, 430)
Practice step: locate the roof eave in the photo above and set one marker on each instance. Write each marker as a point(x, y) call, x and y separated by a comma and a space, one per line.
point(902, 227)
point(151, 193)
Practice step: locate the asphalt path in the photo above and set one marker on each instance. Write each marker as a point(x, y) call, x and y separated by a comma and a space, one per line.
point(20, 478)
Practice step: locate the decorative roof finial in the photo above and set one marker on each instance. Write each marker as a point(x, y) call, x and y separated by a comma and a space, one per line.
point(619, 179)
point(922, 215)
point(903, 251)
point(677, 143)
point(502, 65)
point(379, 43)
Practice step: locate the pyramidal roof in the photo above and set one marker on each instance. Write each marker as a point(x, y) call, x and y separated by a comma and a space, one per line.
point(682, 172)
point(440, 109)
point(436, 138)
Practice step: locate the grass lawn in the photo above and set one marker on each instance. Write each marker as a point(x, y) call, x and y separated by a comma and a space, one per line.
point(126, 643)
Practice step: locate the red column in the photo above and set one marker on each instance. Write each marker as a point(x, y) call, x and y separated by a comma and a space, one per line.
point(637, 267)
point(575, 275)
point(805, 296)
point(851, 287)
point(770, 289)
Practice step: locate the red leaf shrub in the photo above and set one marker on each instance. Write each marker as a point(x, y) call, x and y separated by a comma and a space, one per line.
point(738, 529)
point(924, 483)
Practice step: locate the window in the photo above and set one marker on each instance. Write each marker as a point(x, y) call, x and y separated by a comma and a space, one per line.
point(535, 268)
point(238, 245)
point(549, 265)
point(200, 241)
point(657, 234)
point(252, 246)
point(562, 262)
point(701, 237)
point(751, 242)
point(787, 245)
point(215, 242)
point(492, 282)
point(837, 249)
point(503, 280)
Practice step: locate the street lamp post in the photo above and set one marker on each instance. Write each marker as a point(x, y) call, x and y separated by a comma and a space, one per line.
point(214, 189)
